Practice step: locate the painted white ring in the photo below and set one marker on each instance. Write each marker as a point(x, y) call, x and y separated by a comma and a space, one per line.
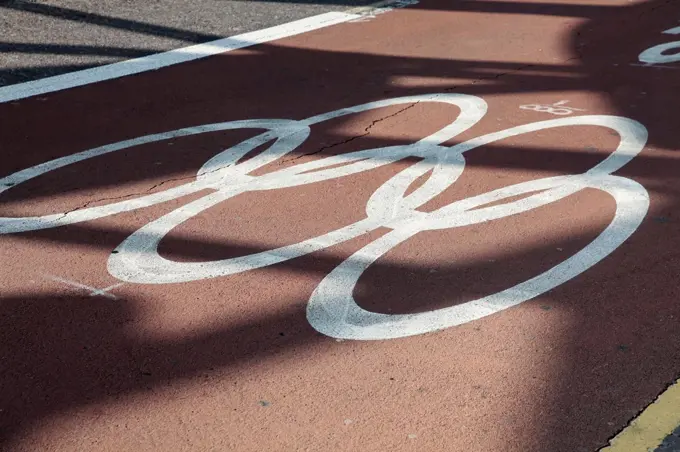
point(346, 319)
point(333, 311)
point(137, 258)
point(288, 134)
point(657, 54)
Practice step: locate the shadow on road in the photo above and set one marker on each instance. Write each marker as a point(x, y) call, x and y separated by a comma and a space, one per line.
point(61, 351)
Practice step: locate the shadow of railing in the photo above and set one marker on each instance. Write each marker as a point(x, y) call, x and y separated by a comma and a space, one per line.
point(78, 353)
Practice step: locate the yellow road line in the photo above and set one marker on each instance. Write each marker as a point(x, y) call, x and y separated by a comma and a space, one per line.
point(650, 428)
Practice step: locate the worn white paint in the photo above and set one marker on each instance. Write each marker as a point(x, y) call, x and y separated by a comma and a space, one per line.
point(172, 57)
point(105, 292)
point(372, 11)
point(332, 309)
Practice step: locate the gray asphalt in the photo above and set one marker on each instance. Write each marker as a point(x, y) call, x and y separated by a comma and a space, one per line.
point(45, 38)
point(671, 443)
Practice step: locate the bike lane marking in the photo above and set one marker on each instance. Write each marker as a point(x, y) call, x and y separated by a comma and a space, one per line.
point(457, 337)
point(332, 309)
point(653, 427)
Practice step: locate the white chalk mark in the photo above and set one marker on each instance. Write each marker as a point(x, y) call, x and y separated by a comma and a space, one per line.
point(172, 57)
point(105, 292)
point(332, 309)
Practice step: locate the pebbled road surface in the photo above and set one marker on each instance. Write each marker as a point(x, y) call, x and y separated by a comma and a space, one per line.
point(44, 38)
point(110, 341)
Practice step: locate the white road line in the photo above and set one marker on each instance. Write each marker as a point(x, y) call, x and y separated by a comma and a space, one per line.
point(93, 290)
point(172, 57)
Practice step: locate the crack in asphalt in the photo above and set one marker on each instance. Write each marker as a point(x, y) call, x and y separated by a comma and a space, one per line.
point(339, 143)
point(366, 132)
point(322, 149)
point(496, 76)
point(115, 198)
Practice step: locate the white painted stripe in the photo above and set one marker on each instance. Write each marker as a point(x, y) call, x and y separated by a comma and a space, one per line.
point(172, 57)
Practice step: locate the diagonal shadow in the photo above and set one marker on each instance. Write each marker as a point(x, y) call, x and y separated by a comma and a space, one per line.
point(64, 351)
point(636, 305)
point(64, 49)
point(106, 21)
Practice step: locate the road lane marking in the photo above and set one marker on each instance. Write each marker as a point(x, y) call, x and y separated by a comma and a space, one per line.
point(171, 57)
point(185, 54)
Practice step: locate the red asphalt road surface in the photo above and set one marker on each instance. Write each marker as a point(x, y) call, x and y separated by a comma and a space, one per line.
point(231, 362)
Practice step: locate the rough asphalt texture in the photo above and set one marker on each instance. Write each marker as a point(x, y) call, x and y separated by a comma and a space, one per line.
point(41, 39)
point(232, 362)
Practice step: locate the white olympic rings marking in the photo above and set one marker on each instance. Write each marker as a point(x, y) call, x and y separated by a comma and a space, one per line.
point(331, 308)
